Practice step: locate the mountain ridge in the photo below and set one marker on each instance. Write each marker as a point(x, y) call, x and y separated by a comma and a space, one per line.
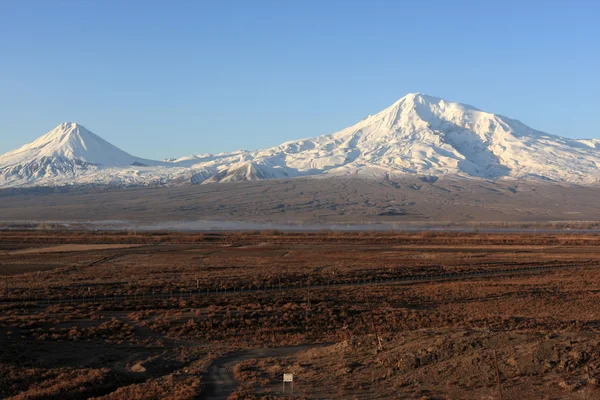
point(416, 135)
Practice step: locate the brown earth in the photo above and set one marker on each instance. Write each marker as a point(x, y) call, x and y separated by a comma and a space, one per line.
point(68, 248)
point(424, 340)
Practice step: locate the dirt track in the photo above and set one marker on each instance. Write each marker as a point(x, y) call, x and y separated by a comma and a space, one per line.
point(65, 248)
point(221, 381)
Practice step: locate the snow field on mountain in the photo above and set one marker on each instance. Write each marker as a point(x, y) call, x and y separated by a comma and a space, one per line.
point(418, 134)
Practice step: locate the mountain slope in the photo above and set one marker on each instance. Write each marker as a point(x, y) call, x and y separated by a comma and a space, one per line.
point(68, 151)
point(70, 141)
point(420, 134)
point(306, 200)
point(417, 135)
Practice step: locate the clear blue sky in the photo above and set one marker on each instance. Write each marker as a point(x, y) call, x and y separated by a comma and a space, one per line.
point(170, 78)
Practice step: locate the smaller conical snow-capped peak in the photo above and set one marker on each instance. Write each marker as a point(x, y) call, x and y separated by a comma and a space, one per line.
point(72, 142)
point(64, 130)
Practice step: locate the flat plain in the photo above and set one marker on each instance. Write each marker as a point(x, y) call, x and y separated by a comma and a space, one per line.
point(321, 201)
point(359, 315)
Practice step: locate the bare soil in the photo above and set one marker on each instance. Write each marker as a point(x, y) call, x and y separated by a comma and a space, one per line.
point(424, 340)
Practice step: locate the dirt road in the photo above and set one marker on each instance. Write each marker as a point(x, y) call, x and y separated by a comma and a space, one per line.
point(221, 383)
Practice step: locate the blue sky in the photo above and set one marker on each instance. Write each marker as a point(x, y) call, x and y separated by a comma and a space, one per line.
point(166, 79)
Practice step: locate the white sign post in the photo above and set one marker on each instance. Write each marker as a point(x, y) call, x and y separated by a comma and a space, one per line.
point(288, 378)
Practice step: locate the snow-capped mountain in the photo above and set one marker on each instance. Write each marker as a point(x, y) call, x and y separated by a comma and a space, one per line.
point(68, 154)
point(70, 141)
point(418, 134)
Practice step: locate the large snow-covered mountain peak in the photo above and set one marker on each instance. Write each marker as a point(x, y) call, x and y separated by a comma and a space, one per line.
point(417, 134)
